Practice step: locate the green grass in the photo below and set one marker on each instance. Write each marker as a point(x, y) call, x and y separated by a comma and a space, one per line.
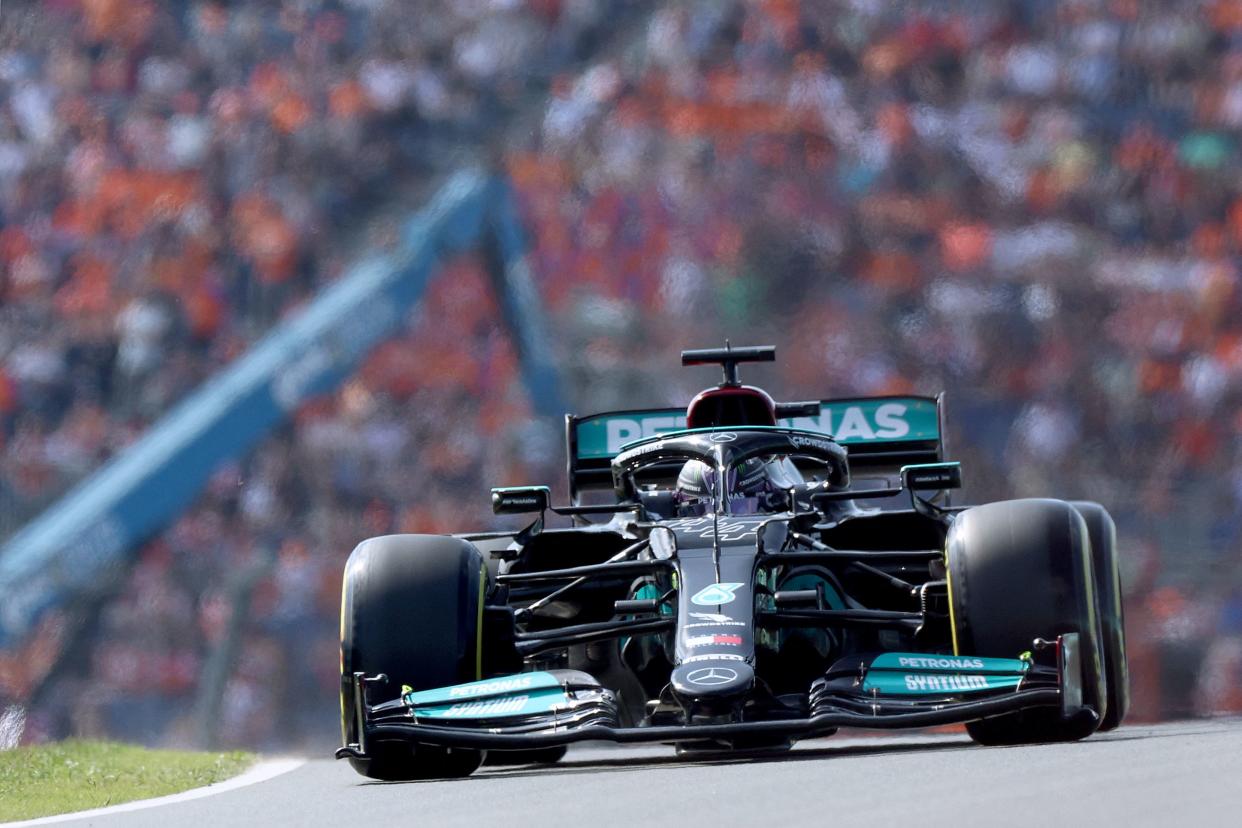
point(72, 776)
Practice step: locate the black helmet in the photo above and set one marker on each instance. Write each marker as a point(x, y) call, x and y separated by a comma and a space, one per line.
point(753, 486)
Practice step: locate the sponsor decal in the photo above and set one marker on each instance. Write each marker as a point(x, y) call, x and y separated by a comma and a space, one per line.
point(519, 683)
point(730, 529)
point(939, 475)
point(722, 437)
point(711, 676)
point(855, 421)
point(622, 430)
point(492, 687)
point(708, 640)
point(920, 682)
point(714, 657)
point(639, 451)
point(802, 441)
point(908, 662)
point(939, 663)
point(867, 421)
point(714, 617)
point(503, 706)
point(690, 526)
point(716, 594)
point(539, 700)
point(521, 501)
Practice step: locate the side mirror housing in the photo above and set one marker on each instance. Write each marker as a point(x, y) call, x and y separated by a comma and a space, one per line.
point(521, 500)
point(926, 477)
point(785, 410)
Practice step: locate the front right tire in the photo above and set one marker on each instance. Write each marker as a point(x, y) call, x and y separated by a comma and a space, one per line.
point(410, 608)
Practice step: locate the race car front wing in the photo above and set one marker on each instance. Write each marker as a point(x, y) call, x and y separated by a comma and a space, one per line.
point(536, 710)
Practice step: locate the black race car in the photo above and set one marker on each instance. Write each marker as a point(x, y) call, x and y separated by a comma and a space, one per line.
point(733, 577)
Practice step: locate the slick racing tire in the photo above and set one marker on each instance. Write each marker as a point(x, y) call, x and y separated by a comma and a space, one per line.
point(1103, 534)
point(410, 609)
point(1021, 570)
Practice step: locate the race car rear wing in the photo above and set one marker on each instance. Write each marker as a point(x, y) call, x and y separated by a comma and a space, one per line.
point(881, 435)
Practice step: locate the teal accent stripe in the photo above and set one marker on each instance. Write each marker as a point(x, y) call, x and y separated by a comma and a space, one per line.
point(923, 674)
point(923, 662)
point(487, 689)
point(498, 707)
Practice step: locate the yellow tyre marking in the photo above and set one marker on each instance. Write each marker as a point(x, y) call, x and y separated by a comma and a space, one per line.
point(478, 643)
point(948, 578)
point(341, 655)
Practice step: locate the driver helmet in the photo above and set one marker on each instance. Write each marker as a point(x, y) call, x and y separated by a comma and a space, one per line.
point(751, 487)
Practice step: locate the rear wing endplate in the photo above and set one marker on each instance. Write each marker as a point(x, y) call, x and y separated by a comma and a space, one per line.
point(881, 434)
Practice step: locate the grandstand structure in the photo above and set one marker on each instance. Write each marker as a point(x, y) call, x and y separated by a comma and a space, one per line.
point(1034, 207)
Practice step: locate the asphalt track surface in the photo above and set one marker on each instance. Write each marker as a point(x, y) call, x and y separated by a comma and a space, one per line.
point(1186, 773)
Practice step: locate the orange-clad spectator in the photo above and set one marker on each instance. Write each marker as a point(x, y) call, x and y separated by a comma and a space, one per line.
point(89, 289)
point(892, 271)
point(205, 311)
point(14, 243)
point(29, 278)
point(393, 368)
point(1209, 241)
point(8, 396)
point(1159, 375)
point(1225, 15)
point(106, 19)
point(265, 237)
point(268, 84)
point(1197, 441)
point(965, 245)
point(132, 199)
point(291, 112)
point(786, 16)
point(886, 58)
point(893, 121)
point(1142, 149)
point(346, 100)
point(83, 218)
point(1235, 222)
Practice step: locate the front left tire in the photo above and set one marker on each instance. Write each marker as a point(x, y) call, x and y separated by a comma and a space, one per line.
point(1103, 535)
point(1021, 570)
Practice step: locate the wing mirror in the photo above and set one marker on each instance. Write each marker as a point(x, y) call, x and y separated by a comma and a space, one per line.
point(927, 477)
point(521, 500)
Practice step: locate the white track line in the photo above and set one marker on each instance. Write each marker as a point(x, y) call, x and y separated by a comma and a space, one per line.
point(261, 772)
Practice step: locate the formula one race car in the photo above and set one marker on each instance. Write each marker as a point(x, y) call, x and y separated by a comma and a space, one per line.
point(767, 572)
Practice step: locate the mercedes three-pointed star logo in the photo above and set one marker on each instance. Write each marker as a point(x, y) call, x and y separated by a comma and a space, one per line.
point(723, 437)
point(711, 676)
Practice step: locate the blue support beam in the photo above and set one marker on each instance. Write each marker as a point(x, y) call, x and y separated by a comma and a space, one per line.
point(78, 547)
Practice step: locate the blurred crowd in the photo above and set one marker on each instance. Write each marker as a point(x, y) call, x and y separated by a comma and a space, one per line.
point(1033, 206)
point(176, 175)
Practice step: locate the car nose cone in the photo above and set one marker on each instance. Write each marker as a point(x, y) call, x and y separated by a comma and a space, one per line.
point(709, 678)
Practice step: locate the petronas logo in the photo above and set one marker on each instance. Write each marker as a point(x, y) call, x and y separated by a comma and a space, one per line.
point(715, 594)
